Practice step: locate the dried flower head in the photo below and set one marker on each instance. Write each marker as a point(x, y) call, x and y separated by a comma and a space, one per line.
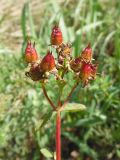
point(75, 64)
point(64, 49)
point(56, 36)
point(34, 73)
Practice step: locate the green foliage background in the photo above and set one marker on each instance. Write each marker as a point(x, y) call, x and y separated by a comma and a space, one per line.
point(94, 134)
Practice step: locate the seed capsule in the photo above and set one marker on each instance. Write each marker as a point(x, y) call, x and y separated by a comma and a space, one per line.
point(30, 53)
point(47, 63)
point(88, 72)
point(56, 36)
point(86, 54)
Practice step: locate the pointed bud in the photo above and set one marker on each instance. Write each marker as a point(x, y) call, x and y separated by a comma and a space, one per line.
point(88, 72)
point(75, 64)
point(86, 54)
point(47, 63)
point(30, 53)
point(56, 36)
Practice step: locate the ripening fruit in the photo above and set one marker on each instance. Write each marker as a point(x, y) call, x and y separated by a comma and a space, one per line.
point(86, 54)
point(56, 36)
point(88, 72)
point(30, 53)
point(47, 63)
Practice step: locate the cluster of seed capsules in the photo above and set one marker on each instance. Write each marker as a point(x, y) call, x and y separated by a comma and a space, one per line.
point(40, 69)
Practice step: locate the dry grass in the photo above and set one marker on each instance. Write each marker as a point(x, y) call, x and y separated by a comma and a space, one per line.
point(10, 21)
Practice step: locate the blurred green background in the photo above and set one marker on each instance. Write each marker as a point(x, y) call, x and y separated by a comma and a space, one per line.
point(92, 135)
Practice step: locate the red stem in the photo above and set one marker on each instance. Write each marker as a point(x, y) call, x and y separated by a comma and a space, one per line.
point(58, 136)
point(46, 95)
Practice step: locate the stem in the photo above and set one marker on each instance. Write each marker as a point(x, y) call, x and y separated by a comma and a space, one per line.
point(58, 136)
point(69, 95)
point(59, 99)
point(46, 95)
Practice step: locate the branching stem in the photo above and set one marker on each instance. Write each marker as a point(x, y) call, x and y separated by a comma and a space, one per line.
point(47, 97)
point(58, 109)
point(69, 95)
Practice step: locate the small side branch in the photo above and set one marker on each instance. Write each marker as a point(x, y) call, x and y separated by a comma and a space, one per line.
point(69, 95)
point(47, 97)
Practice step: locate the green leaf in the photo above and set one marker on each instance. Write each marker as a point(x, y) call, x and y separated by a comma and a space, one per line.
point(118, 152)
point(27, 15)
point(2, 139)
point(74, 107)
point(46, 153)
point(24, 20)
point(44, 119)
point(31, 23)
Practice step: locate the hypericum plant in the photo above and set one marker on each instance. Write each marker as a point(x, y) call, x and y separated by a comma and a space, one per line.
point(40, 70)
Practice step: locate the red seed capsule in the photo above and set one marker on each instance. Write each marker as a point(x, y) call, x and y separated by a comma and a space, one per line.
point(47, 63)
point(86, 54)
point(56, 36)
point(30, 53)
point(88, 72)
